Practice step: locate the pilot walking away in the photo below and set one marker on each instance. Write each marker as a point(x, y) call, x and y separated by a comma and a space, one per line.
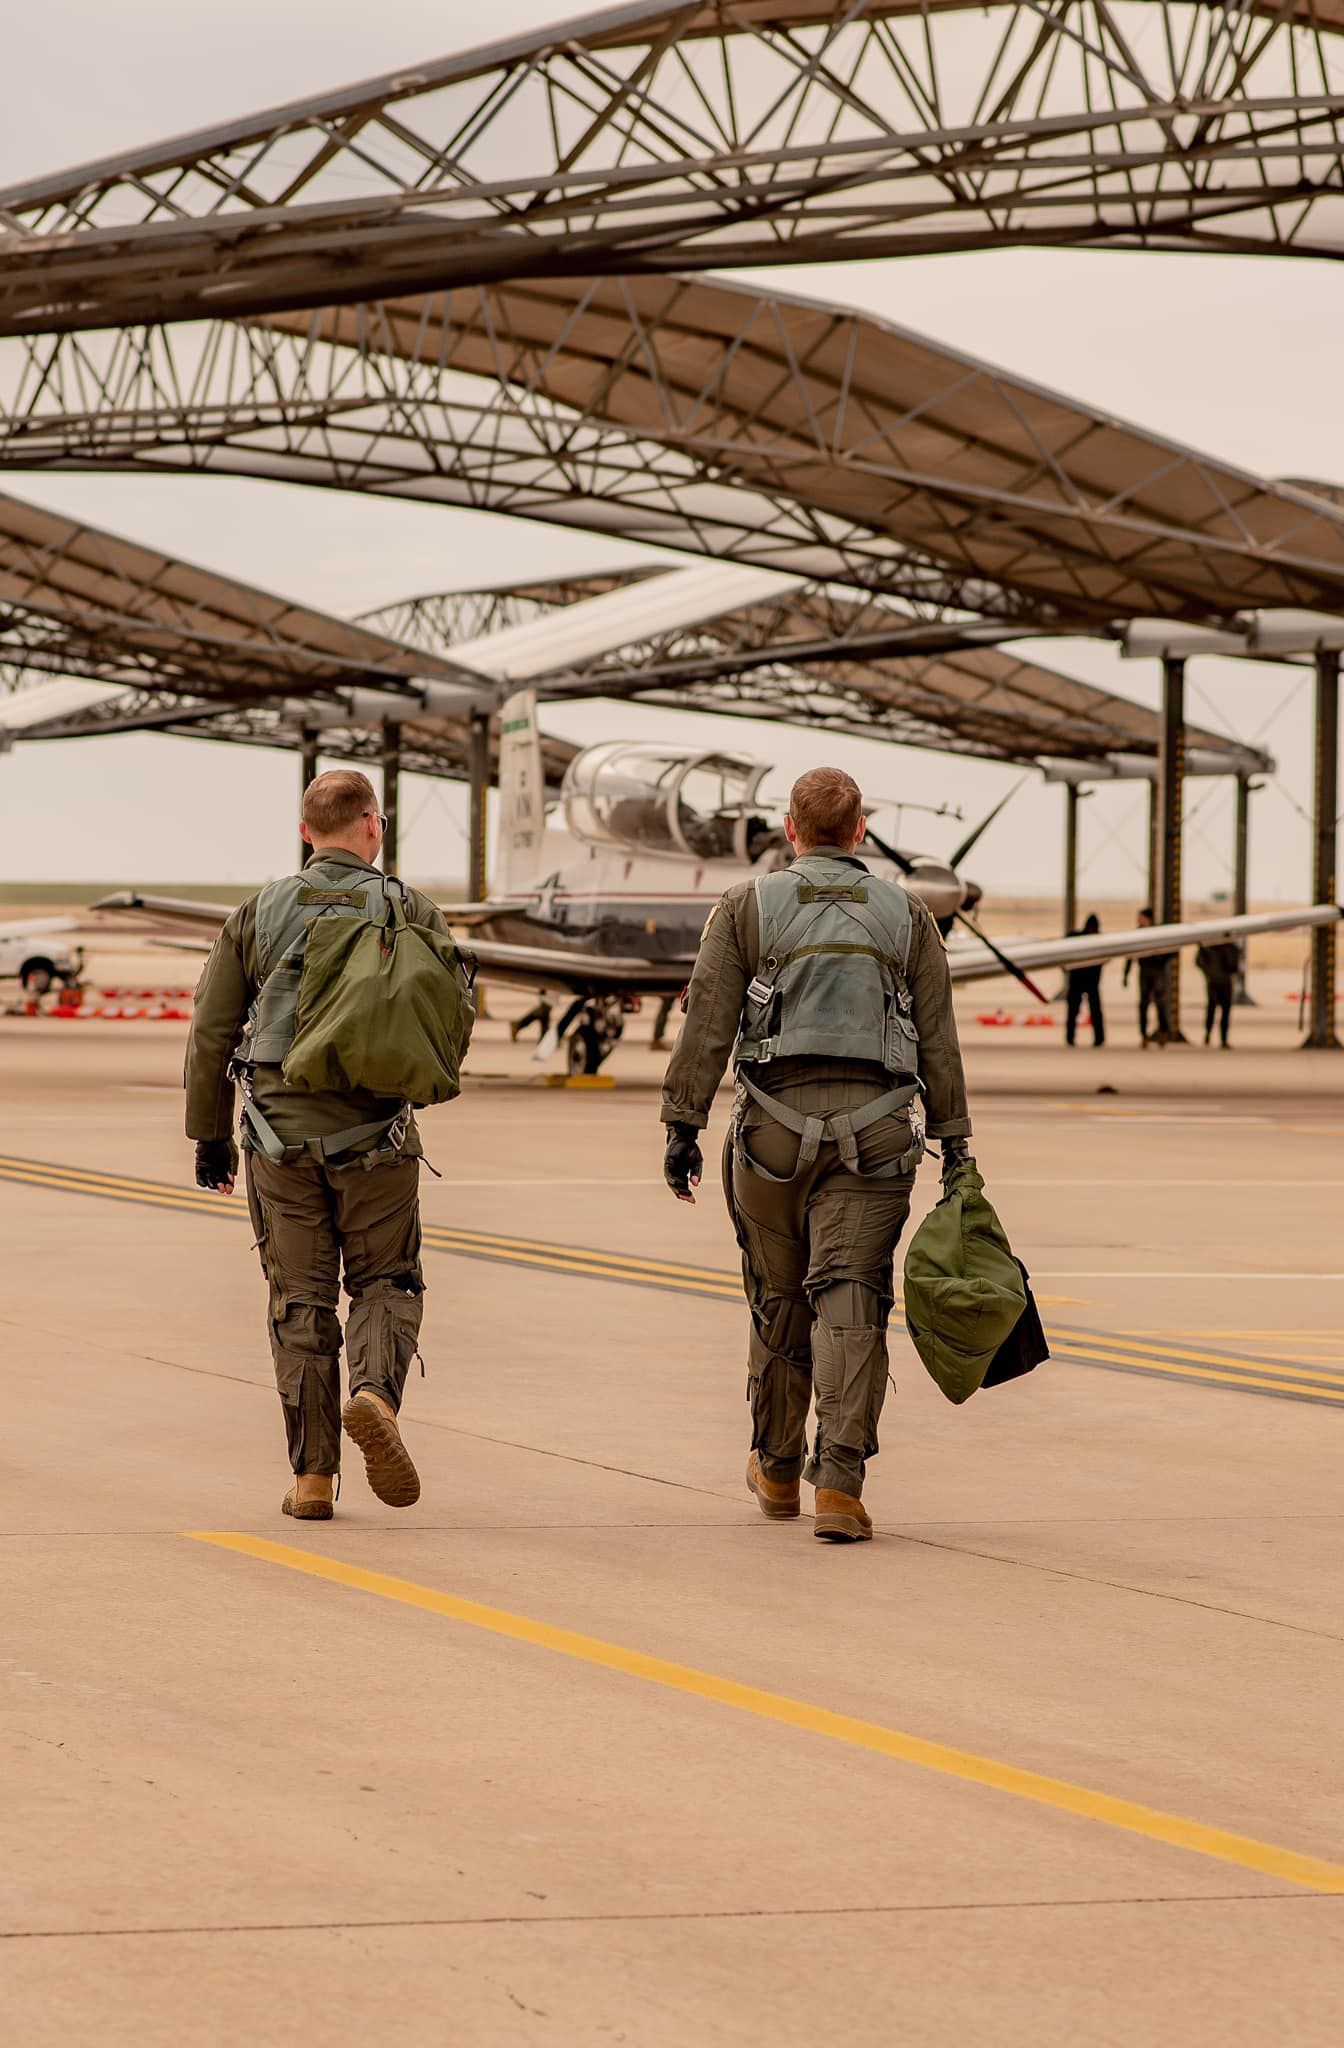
point(828, 988)
point(1084, 986)
point(332, 1170)
point(1219, 964)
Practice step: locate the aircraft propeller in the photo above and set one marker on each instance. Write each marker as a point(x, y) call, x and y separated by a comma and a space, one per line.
point(908, 867)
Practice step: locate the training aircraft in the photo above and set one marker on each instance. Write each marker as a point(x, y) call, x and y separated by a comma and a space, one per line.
point(607, 900)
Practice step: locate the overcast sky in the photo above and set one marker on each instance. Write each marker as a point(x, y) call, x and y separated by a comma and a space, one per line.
point(1236, 356)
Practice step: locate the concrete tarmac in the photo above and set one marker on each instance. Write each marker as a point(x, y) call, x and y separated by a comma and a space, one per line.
point(581, 1749)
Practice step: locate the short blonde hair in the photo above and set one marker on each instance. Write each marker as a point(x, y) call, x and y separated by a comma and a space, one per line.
point(334, 801)
point(826, 805)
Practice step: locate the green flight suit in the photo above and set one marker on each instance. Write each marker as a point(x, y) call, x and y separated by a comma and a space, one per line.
point(818, 1251)
point(312, 1217)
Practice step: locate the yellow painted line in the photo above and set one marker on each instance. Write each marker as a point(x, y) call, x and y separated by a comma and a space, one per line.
point(631, 1262)
point(77, 1181)
point(1155, 1348)
point(167, 1200)
point(1091, 1355)
point(588, 1268)
point(1083, 1346)
point(1125, 1814)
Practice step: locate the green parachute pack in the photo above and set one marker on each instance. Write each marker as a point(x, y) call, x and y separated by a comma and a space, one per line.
point(964, 1290)
point(383, 1005)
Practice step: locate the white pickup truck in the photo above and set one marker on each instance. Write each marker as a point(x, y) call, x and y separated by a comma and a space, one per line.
point(35, 954)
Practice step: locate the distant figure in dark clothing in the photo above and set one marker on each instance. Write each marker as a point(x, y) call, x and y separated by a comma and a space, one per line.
point(1085, 982)
point(1152, 989)
point(539, 1014)
point(659, 1041)
point(1219, 966)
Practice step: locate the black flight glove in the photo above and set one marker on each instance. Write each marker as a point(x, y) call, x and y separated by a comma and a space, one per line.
point(956, 1152)
point(682, 1161)
point(216, 1164)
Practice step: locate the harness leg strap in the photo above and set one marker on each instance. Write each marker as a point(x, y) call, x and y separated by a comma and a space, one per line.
point(841, 1127)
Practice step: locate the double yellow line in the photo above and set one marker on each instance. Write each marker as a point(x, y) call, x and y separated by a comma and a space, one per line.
point(1286, 1381)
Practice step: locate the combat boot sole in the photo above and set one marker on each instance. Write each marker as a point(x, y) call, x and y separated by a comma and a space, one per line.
point(306, 1510)
point(841, 1518)
point(774, 1501)
point(387, 1463)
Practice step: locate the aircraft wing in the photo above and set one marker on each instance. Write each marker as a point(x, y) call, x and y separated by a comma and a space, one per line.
point(594, 974)
point(164, 913)
point(39, 927)
point(970, 961)
point(532, 967)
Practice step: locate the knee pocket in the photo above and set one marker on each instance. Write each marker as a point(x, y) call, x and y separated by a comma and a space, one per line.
point(305, 1329)
point(384, 1331)
point(849, 1371)
point(849, 1302)
point(784, 1325)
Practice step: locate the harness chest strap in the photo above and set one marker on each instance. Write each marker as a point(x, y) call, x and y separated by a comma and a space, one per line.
point(840, 1127)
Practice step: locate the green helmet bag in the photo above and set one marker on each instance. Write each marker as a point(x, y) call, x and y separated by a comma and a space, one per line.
point(384, 1006)
point(964, 1293)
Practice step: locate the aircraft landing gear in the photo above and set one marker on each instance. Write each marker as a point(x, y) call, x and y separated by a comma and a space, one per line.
point(595, 1035)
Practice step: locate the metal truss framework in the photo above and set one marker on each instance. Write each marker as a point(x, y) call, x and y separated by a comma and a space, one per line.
point(815, 657)
point(77, 600)
point(701, 416)
point(717, 133)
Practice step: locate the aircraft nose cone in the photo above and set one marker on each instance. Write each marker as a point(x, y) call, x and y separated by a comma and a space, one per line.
point(938, 889)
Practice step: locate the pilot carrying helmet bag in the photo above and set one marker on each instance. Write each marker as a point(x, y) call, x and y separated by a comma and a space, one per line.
point(965, 1294)
point(383, 1005)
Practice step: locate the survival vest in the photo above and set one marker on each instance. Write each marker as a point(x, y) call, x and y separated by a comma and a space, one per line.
point(830, 983)
point(351, 997)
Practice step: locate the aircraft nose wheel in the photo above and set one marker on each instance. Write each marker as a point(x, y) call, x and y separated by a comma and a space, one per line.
point(584, 1050)
point(595, 1036)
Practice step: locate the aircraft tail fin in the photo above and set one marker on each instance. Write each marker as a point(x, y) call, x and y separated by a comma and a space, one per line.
point(522, 792)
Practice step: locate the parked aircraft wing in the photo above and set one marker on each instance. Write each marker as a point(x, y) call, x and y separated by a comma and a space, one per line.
point(973, 962)
point(559, 966)
point(39, 927)
point(156, 912)
point(582, 973)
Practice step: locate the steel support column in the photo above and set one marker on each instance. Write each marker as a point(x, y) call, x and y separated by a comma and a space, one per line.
point(307, 774)
point(1150, 891)
point(391, 793)
point(1241, 859)
point(478, 773)
point(1170, 807)
point(1321, 1015)
point(1070, 857)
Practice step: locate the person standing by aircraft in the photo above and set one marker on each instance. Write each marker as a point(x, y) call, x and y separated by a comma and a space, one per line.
point(829, 989)
point(1084, 985)
point(1219, 964)
point(1152, 988)
point(332, 1174)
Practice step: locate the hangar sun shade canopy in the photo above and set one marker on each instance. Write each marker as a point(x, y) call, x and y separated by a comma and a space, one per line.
point(754, 427)
point(818, 657)
point(718, 133)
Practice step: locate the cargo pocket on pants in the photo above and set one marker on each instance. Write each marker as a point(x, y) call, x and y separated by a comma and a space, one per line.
point(290, 1367)
point(382, 1333)
point(849, 1374)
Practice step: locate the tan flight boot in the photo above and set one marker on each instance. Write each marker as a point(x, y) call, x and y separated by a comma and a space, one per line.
point(309, 1498)
point(372, 1424)
point(841, 1518)
point(776, 1500)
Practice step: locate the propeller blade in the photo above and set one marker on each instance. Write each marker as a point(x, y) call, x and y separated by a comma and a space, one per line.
point(900, 860)
point(1011, 966)
point(907, 867)
point(954, 860)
